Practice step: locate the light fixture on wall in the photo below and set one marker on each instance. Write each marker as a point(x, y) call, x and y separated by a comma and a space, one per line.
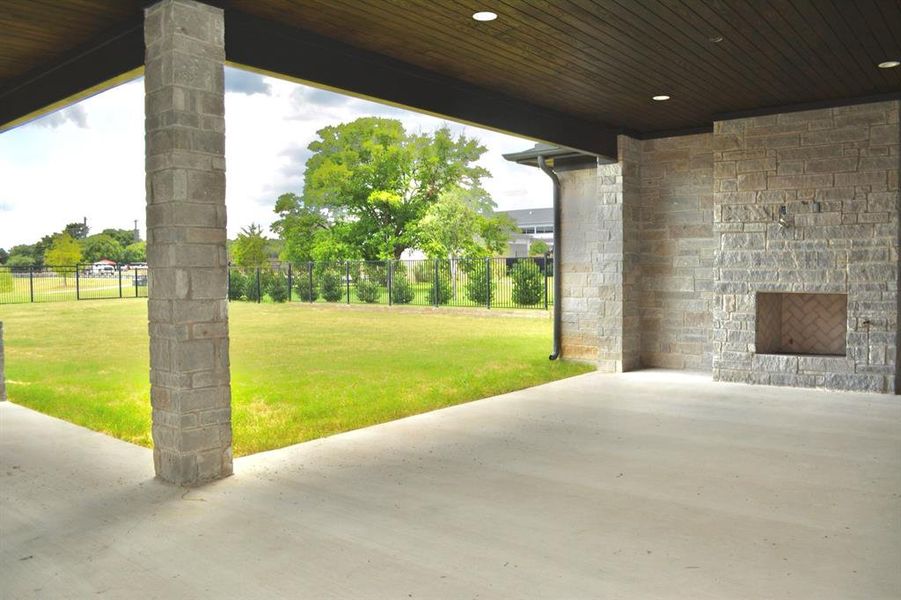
point(889, 64)
point(660, 98)
point(783, 218)
point(484, 15)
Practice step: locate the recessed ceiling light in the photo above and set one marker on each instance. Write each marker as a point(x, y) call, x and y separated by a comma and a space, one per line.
point(660, 98)
point(889, 64)
point(484, 15)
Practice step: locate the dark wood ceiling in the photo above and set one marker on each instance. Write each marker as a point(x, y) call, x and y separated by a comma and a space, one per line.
point(597, 62)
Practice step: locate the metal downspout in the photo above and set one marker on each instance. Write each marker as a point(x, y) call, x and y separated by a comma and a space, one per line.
point(558, 283)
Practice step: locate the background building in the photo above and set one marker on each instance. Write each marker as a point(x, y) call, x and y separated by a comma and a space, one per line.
point(532, 224)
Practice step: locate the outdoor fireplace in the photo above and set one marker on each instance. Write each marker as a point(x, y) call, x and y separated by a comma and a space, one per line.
point(806, 324)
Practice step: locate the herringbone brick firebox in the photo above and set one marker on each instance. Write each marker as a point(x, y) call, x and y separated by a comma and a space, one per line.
point(789, 323)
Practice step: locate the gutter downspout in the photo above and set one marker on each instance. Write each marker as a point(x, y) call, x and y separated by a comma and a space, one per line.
point(558, 283)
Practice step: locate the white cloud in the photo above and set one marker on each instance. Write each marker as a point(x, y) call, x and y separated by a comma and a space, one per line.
point(56, 170)
point(74, 114)
point(246, 82)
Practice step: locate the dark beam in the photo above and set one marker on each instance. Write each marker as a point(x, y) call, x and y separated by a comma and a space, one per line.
point(798, 107)
point(90, 69)
point(277, 49)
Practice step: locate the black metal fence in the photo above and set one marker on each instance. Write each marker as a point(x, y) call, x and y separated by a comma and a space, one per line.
point(73, 282)
point(486, 283)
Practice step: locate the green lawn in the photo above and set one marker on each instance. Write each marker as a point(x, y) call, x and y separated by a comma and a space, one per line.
point(298, 372)
point(53, 287)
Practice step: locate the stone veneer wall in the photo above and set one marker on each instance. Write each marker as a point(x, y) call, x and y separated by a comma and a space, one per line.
point(582, 270)
point(685, 231)
point(836, 173)
point(601, 268)
point(629, 352)
point(677, 247)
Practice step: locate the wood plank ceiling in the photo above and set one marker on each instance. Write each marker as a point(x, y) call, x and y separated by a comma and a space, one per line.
point(599, 61)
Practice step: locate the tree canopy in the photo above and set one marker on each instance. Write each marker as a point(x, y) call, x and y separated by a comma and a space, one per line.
point(101, 246)
point(368, 185)
point(79, 231)
point(250, 249)
point(457, 225)
point(538, 248)
point(135, 253)
point(63, 252)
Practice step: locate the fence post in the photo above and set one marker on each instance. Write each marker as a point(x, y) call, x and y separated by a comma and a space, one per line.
point(30, 282)
point(488, 282)
point(347, 278)
point(437, 292)
point(259, 288)
point(545, 281)
point(310, 265)
point(289, 282)
point(77, 284)
point(136, 283)
point(119, 268)
point(390, 277)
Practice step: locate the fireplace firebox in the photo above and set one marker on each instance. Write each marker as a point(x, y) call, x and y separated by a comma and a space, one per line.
point(806, 324)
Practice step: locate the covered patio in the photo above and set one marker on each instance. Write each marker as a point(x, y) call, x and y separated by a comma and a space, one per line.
point(653, 484)
point(706, 155)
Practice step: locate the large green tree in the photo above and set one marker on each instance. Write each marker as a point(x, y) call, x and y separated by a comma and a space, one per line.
point(101, 246)
point(79, 231)
point(250, 249)
point(63, 255)
point(135, 253)
point(125, 237)
point(26, 255)
point(459, 225)
point(368, 183)
point(20, 261)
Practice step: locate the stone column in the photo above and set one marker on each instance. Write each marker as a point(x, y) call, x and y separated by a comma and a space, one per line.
point(619, 327)
point(601, 269)
point(185, 176)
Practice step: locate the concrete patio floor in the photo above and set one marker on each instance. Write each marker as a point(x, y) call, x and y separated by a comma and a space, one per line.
point(651, 484)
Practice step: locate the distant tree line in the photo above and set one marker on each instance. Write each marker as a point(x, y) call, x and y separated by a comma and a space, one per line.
point(74, 245)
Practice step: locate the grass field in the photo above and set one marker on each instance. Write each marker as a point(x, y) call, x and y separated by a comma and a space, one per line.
point(298, 372)
point(51, 287)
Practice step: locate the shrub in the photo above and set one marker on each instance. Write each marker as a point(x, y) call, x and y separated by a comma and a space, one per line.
point(401, 289)
point(236, 284)
point(368, 291)
point(331, 285)
point(528, 283)
point(251, 289)
point(477, 287)
point(278, 287)
point(440, 291)
point(306, 289)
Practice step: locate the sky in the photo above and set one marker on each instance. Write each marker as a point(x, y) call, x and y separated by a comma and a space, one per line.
point(87, 160)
